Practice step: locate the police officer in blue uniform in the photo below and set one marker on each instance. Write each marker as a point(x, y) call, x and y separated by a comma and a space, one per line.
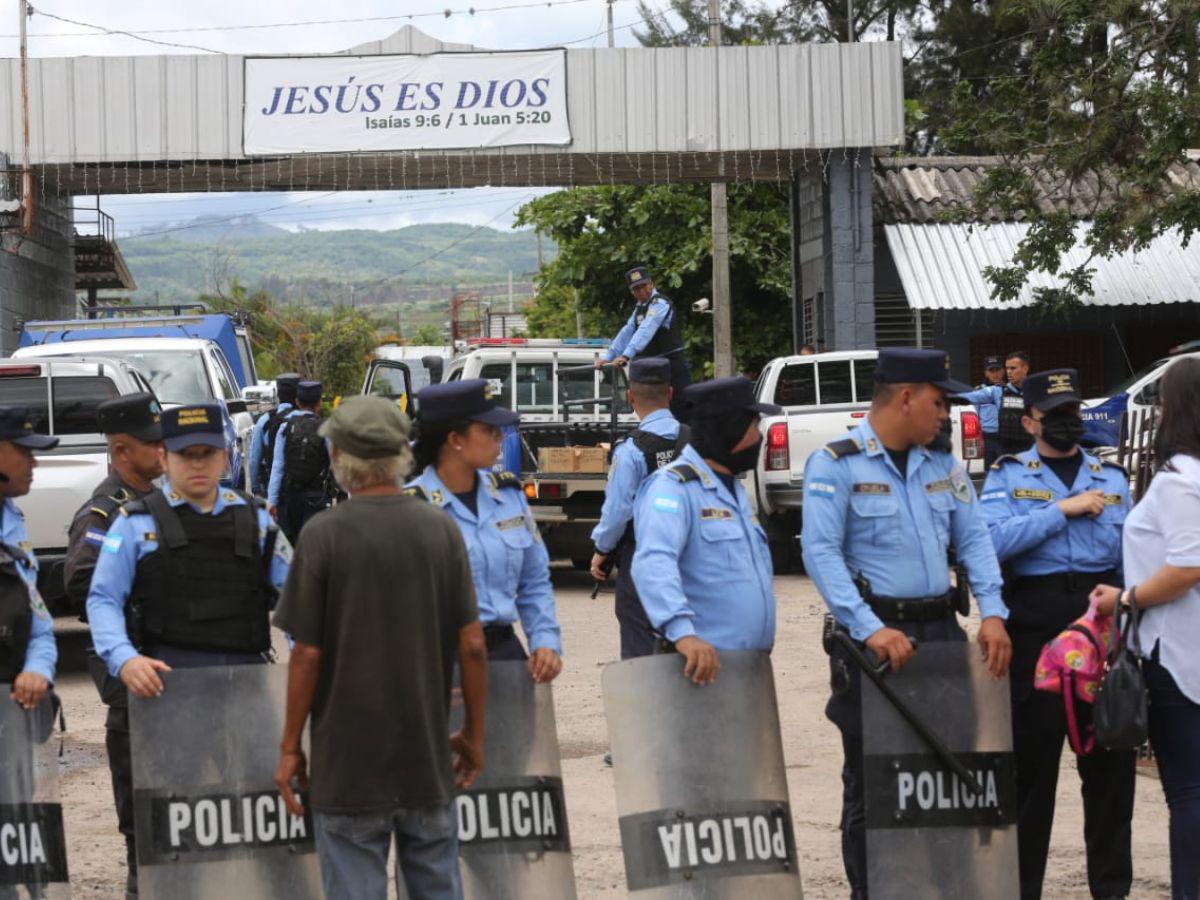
point(192, 547)
point(989, 413)
point(1005, 402)
point(656, 442)
point(459, 429)
point(881, 511)
point(262, 438)
point(702, 567)
point(28, 654)
point(133, 428)
point(300, 485)
point(1055, 515)
point(651, 330)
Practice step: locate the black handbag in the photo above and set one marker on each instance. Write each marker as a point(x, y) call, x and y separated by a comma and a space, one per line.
point(1121, 709)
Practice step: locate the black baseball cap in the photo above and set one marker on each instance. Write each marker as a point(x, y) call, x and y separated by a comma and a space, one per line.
point(993, 362)
point(471, 399)
point(635, 276)
point(1045, 391)
point(137, 415)
point(721, 396)
point(186, 426)
point(912, 365)
point(16, 426)
point(650, 370)
point(285, 387)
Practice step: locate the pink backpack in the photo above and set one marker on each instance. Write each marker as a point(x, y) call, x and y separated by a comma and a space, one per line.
point(1073, 665)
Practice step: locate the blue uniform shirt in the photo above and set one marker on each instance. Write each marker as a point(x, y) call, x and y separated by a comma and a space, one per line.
point(702, 565)
point(625, 478)
point(1020, 500)
point(987, 399)
point(129, 539)
point(633, 338)
point(276, 484)
point(258, 445)
point(509, 563)
point(41, 655)
point(862, 516)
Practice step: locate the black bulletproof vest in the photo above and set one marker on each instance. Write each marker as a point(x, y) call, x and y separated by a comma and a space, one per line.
point(270, 431)
point(1012, 409)
point(205, 586)
point(657, 451)
point(305, 459)
point(16, 619)
point(667, 339)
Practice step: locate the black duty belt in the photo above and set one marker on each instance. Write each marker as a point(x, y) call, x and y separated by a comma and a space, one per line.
point(497, 634)
point(921, 609)
point(1063, 582)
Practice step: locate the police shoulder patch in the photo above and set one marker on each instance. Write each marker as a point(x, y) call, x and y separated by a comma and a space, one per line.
point(416, 491)
point(505, 480)
point(844, 447)
point(1008, 457)
point(102, 513)
point(1114, 465)
point(684, 472)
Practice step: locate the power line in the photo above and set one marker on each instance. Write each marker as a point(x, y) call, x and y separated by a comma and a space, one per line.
point(453, 244)
point(442, 13)
point(226, 219)
point(131, 34)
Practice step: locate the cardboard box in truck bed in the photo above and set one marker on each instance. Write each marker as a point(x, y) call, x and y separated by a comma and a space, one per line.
point(572, 459)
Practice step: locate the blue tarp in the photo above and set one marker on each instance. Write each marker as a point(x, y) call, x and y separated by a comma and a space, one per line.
point(213, 327)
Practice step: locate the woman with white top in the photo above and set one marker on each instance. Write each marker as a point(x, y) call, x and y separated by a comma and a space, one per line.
point(1162, 570)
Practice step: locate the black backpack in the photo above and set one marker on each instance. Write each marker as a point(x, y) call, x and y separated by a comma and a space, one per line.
point(274, 422)
point(305, 459)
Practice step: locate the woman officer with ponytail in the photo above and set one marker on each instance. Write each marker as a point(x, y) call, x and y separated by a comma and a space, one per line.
point(458, 442)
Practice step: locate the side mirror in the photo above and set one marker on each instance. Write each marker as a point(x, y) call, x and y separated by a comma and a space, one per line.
point(1148, 396)
point(434, 365)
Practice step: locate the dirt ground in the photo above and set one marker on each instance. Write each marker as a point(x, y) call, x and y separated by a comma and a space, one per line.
point(811, 747)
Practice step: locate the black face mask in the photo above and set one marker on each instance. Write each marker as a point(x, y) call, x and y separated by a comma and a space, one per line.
point(745, 459)
point(1062, 431)
point(713, 439)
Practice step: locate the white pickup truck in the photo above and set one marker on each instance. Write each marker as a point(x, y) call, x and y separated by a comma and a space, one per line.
point(62, 395)
point(823, 396)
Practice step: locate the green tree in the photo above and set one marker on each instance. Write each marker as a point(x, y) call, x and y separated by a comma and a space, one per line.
point(1106, 104)
point(426, 334)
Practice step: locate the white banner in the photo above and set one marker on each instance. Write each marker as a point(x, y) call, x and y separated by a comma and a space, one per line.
point(336, 104)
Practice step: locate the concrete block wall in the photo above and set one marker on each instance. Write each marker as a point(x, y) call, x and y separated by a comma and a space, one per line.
point(37, 271)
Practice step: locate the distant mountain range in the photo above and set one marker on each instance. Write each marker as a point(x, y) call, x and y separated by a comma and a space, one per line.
point(418, 262)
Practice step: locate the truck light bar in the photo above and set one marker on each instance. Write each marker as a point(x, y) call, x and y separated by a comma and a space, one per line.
point(538, 342)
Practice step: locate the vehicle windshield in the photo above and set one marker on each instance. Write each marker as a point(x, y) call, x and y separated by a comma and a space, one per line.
point(177, 376)
point(1135, 378)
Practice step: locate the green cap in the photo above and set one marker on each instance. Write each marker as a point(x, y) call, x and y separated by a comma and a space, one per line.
point(368, 427)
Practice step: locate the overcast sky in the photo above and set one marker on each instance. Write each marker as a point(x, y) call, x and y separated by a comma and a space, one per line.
point(574, 23)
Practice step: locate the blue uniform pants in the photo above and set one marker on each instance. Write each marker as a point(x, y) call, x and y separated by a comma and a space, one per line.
point(353, 852)
point(637, 635)
point(1175, 737)
point(844, 709)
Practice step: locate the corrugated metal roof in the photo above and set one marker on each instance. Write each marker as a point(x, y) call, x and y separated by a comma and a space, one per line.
point(620, 101)
point(931, 188)
point(941, 267)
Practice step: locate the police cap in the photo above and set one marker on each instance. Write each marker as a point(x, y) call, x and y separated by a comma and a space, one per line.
point(993, 362)
point(910, 365)
point(367, 427)
point(187, 426)
point(1049, 390)
point(650, 370)
point(137, 415)
point(721, 396)
point(636, 276)
point(471, 399)
point(285, 387)
point(16, 426)
point(308, 391)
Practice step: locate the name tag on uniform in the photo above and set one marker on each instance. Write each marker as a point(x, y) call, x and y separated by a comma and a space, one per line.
point(1112, 499)
point(1032, 494)
point(716, 513)
point(509, 524)
point(872, 487)
point(935, 486)
point(1010, 402)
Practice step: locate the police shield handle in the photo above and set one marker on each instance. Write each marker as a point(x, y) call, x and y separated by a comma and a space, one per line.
point(892, 645)
point(1089, 503)
point(140, 675)
point(701, 661)
point(28, 689)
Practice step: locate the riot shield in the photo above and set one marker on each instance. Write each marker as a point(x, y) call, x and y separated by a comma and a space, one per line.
point(33, 849)
point(702, 795)
point(513, 839)
point(928, 833)
point(209, 822)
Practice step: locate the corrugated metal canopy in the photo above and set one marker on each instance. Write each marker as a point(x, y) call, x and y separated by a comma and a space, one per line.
point(941, 267)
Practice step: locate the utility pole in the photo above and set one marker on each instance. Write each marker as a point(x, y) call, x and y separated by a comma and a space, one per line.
point(722, 314)
point(849, 21)
point(24, 12)
point(610, 25)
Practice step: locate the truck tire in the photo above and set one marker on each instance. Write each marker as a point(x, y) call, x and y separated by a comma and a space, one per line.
point(782, 530)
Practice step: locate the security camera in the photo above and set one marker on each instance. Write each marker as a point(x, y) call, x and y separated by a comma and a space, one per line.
point(703, 305)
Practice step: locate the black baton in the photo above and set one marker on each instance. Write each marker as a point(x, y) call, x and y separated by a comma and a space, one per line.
point(876, 673)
